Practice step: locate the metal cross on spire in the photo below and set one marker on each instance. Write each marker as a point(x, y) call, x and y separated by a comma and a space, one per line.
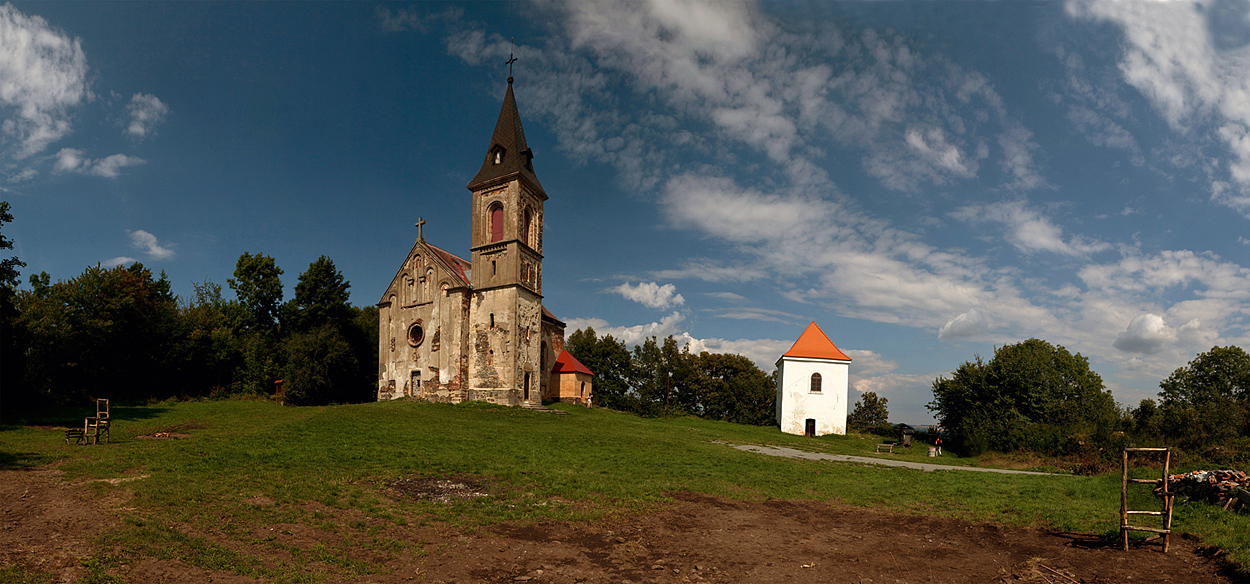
point(420, 228)
point(509, 62)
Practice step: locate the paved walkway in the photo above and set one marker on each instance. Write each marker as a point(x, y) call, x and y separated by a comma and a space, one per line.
point(792, 453)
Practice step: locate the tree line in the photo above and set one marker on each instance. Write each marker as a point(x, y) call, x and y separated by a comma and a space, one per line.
point(1035, 396)
point(658, 378)
point(121, 333)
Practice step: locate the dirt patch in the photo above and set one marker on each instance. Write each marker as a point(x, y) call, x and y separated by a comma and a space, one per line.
point(47, 526)
point(442, 490)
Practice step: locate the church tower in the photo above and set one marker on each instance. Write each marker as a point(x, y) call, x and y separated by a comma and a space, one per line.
point(506, 328)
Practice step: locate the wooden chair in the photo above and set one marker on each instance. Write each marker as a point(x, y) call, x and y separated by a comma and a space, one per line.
point(94, 427)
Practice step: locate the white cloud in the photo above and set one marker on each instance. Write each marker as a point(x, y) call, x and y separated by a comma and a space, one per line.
point(726, 68)
point(965, 326)
point(633, 335)
point(68, 160)
point(1171, 56)
point(42, 78)
point(749, 313)
point(650, 294)
point(72, 160)
point(117, 261)
point(711, 271)
point(868, 363)
point(23, 175)
point(146, 111)
point(1028, 230)
point(145, 241)
point(409, 18)
point(726, 296)
point(1146, 333)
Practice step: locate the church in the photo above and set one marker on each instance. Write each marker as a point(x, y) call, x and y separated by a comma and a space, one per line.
point(454, 330)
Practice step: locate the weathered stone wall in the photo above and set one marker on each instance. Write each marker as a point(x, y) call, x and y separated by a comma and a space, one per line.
point(422, 364)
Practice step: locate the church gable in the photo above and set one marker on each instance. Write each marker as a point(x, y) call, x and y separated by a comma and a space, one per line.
point(426, 272)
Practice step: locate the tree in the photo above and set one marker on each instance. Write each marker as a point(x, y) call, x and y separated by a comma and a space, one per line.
point(11, 339)
point(8, 267)
point(870, 410)
point(734, 389)
point(610, 361)
point(1207, 402)
point(106, 333)
point(1031, 396)
point(321, 296)
point(321, 367)
point(257, 283)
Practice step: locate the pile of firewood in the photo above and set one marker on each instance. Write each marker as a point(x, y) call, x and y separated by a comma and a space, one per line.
point(1231, 488)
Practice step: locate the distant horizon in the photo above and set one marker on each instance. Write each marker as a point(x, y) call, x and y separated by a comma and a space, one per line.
point(925, 181)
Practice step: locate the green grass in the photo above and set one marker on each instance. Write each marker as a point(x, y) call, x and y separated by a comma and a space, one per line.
point(325, 468)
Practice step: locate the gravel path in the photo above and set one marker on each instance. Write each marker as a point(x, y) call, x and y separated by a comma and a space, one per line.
point(792, 453)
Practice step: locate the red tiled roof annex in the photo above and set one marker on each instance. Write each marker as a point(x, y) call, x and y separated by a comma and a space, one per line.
point(567, 362)
point(814, 344)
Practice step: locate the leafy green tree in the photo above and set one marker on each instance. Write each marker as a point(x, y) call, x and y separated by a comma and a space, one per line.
point(734, 389)
point(1031, 396)
point(257, 283)
point(870, 410)
point(1207, 402)
point(106, 333)
point(344, 370)
point(321, 366)
point(321, 296)
point(8, 267)
point(11, 336)
point(610, 361)
point(208, 352)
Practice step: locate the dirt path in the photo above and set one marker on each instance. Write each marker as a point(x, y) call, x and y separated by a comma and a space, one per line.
point(48, 526)
point(792, 453)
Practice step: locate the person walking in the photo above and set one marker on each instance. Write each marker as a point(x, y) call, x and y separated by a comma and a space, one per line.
point(938, 442)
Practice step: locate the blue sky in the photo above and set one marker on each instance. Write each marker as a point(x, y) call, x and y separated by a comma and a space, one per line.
point(925, 181)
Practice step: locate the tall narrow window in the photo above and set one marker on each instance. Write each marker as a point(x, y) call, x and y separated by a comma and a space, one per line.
point(496, 224)
point(815, 383)
point(492, 320)
point(493, 271)
point(525, 227)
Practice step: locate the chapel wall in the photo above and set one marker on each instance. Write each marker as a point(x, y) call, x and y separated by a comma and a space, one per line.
point(797, 403)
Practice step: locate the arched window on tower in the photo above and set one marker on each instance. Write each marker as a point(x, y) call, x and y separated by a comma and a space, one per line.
point(525, 227)
point(815, 383)
point(496, 223)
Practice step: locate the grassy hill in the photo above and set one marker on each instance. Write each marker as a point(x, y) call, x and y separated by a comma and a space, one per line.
point(587, 464)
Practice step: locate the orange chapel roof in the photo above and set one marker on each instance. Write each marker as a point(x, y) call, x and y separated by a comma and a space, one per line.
point(813, 343)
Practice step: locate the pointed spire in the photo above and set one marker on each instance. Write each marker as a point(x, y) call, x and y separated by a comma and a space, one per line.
point(507, 156)
point(814, 344)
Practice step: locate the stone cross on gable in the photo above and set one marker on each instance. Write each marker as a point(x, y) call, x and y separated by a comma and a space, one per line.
point(420, 228)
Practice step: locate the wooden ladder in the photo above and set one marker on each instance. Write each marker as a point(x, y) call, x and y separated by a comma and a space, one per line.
point(1168, 496)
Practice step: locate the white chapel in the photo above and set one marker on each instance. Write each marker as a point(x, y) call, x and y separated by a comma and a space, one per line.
point(811, 386)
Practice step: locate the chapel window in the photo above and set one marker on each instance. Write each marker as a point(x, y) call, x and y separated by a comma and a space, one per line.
point(496, 223)
point(416, 334)
point(815, 383)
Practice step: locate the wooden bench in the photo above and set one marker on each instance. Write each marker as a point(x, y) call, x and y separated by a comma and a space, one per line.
point(889, 447)
point(75, 433)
